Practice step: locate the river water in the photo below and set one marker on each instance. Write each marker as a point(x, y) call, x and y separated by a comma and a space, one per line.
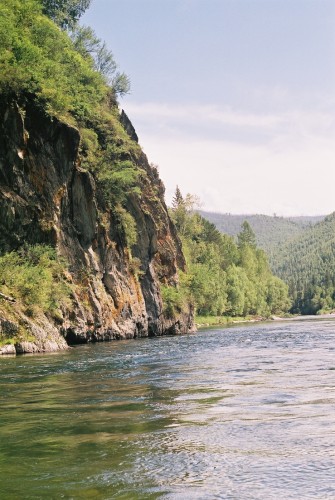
point(243, 413)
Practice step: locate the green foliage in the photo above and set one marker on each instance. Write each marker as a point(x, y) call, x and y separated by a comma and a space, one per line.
point(269, 230)
point(182, 208)
point(69, 77)
point(112, 157)
point(33, 275)
point(65, 13)
point(173, 301)
point(90, 46)
point(127, 224)
point(117, 181)
point(178, 199)
point(307, 265)
point(223, 278)
point(246, 237)
point(301, 252)
point(37, 58)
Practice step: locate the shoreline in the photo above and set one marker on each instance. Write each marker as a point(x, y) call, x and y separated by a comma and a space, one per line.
point(225, 321)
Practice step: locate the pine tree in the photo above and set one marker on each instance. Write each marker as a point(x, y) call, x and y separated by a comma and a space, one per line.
point(177, 200)
point(246, 236)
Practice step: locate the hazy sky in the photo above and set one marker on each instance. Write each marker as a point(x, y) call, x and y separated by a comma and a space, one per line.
point(234, 100)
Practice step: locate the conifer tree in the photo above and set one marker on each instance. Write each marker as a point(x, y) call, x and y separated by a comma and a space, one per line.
point(178, 199)
point(246, 236)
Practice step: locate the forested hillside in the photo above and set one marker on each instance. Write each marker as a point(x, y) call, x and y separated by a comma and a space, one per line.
point(269, 230)
point(223, 277)
point(307, 265)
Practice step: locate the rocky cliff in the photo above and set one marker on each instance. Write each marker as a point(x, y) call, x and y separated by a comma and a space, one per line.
point(46, 196)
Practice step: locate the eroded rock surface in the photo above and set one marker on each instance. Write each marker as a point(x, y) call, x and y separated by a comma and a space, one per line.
point(46, 197)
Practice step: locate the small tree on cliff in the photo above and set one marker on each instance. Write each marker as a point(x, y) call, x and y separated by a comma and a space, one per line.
point(183, 212)
point(90, 46)
point(178, 199)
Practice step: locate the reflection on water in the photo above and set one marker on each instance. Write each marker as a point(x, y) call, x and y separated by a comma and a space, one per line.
point(240, 413)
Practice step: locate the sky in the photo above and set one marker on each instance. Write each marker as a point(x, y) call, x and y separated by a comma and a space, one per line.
point(233, 100)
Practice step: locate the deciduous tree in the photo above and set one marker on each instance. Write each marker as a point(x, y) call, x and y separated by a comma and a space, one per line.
point(65, 13)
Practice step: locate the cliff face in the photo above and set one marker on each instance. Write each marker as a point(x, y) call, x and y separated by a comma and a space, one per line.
point(46, 197)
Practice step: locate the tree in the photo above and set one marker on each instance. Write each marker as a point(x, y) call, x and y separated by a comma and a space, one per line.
point(182, 212)
point(90, 46)
point(246, 236)
point(65, 13)
point(85, 40)
point(178, 199)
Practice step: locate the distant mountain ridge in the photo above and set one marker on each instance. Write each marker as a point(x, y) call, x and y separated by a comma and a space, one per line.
point(270, 231)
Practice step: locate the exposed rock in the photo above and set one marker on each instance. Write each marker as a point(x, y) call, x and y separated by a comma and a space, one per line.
point(8, 328)
point(46, 197)
point(128, 126)
point(8, 349)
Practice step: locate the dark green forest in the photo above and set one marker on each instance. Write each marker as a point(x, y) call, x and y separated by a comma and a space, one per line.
point(307, 265)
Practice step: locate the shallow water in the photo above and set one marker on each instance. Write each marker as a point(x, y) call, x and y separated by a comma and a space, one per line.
point(241, 413)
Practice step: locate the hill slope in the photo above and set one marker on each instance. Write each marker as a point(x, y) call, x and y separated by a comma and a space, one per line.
point(307, 265)
point(269, 230)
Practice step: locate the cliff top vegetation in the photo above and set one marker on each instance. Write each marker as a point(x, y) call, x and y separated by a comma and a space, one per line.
point(69, 71)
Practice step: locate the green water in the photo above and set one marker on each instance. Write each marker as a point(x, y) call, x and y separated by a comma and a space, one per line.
point(238, 413)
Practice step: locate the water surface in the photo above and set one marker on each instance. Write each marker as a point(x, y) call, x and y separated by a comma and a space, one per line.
point(237, 413)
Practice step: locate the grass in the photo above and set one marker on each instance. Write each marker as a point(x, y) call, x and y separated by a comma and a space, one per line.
point(202, 321)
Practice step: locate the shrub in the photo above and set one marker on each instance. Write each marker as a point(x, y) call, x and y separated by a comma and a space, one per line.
point(127, 224)
point(33, 275)
point(173, 301)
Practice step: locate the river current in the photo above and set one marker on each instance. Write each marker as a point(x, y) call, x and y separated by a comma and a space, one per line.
point(244, 413)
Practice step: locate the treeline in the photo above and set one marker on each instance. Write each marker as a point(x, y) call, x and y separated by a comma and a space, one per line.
point(269, 230)
point(223, 278)
point(307, 265)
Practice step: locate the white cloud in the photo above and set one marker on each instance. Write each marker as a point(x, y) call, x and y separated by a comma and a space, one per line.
point(290, 171)
point(209, 115)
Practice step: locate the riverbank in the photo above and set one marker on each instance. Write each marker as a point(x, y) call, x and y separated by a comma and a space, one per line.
point(207, 321)
point(203, 321)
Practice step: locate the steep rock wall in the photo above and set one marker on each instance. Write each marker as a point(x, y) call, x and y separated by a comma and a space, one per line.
point(46, 197)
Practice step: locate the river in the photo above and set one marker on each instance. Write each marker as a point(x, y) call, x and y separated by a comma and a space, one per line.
point(246, 412)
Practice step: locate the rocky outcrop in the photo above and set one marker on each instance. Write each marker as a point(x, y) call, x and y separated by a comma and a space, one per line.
point(128, 126)
point(46, 197)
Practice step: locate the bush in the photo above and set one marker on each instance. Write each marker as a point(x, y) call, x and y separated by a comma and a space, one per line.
point(127, 224)
point(173, 301)
point(33, 275)
point(37, 58)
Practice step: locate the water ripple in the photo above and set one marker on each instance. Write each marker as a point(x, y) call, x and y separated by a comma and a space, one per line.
point(239, 413)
